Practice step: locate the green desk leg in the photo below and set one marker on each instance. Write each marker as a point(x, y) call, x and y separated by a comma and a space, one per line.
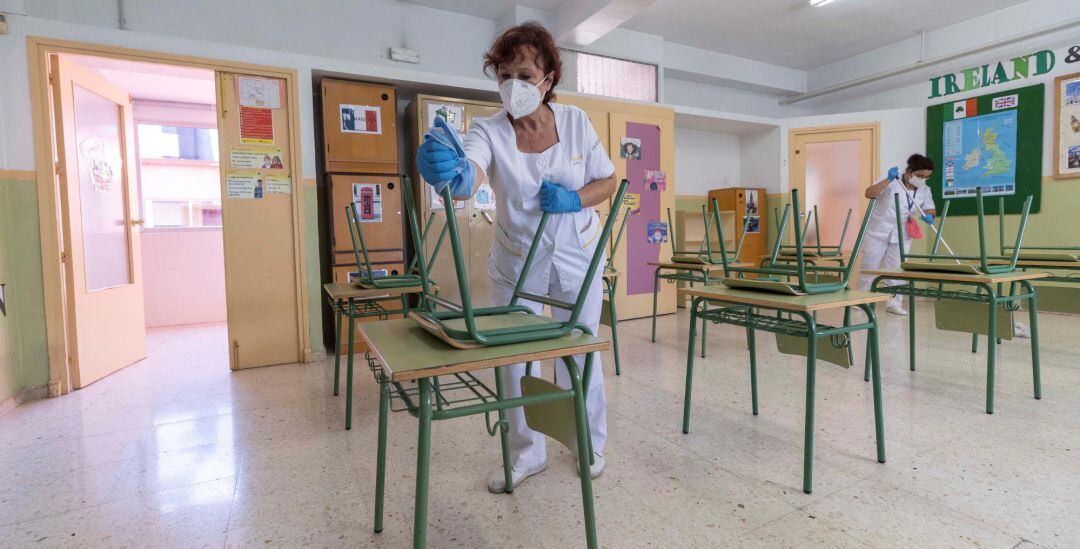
point(655, 292)
point(851, 346)
point(504, 440)
point(991, 350)
point(689, 366)
point(380, 459)
point(704, 329)
point(612, 285)
point(866, 367)
point(1033, 318)
point(337, 344)
point(808, 438)
point(423, 465)
point(584, 448)
point(874, 352)
point(753, 368)
point(975, 337)
point(349, 366)
point(911, 326)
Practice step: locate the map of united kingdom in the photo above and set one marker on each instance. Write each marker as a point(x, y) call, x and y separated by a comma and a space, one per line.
point(981, 152)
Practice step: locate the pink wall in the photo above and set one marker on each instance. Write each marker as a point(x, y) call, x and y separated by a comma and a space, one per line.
point(832, 184)
point(184, 277)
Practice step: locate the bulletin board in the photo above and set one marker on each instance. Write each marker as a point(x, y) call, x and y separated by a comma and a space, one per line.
point(1022, 107)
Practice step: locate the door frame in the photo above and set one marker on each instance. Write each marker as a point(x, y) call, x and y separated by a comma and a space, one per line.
point(56, 322)
point(824, 133)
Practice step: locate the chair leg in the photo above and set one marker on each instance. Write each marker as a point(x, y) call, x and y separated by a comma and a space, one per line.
point(689, 367)
point(753, 368)
point(879, 413)
point(584, 448)
point(380, 459)
point(808, 436)
point(1033, 319)
point(655, 292)
point(349, 366)
point(337, 346)
point(504, 438)
point(991, 352)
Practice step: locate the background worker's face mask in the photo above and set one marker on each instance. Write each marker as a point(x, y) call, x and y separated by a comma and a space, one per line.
point(520, 97)
point(917, 181)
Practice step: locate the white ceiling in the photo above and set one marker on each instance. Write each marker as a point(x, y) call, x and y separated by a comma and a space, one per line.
point(489, 9)
point(793, 34)
point(150, 81)
point(783, 32)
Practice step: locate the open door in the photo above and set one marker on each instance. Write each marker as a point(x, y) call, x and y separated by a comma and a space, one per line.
point(101, 258)
point(259, 221)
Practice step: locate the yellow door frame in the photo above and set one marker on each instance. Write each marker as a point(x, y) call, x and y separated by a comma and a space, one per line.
point(56, 323)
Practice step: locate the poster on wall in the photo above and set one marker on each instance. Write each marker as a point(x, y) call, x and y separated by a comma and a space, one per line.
point(437, 201)
point(360, 119)
point(278, 184)
point(255, 91)
point(632, 201)
point(630, 148)
point(485, 198)
point(254, 158)
point(657, 232)
point(980, 152)
point(243, 186)
point(368, 200)
point(752, 216)
point(452, 113)
point(256, 125)
point(655, 180)
point(1067, 122)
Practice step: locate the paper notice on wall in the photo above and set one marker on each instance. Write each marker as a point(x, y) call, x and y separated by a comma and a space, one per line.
point(254, 158)
point(256, 125)
point(278, 184)
point(632, 201)
point(244, 186)
point(255, 91)
point(655, 180)
point(437, 201)
point(368, 200)
point(453, 114)
point(657, 232)
point(484, 200)
point(360, 119)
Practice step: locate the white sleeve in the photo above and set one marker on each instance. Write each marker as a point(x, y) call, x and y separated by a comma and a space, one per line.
point(926, 201)
point(477, 145)
point(597, 163)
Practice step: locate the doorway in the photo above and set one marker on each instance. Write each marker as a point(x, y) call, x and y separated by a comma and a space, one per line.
point(153, 221)
point(832, 168)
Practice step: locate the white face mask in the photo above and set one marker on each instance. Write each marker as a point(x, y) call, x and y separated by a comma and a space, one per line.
point(520, 97)
point(917, 182)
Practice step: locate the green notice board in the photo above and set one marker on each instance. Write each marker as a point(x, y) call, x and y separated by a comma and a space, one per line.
point(992, 141)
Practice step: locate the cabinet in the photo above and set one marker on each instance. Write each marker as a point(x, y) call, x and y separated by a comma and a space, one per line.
point(745, 202)
point(359, 127)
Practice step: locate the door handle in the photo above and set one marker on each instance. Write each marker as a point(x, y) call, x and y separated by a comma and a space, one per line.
point(138, 222)
point(487, 217)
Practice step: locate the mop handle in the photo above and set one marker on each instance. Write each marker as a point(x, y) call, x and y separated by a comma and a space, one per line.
point(951, 252)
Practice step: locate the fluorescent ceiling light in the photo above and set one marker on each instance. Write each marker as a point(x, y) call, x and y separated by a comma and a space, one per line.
point(819, 3)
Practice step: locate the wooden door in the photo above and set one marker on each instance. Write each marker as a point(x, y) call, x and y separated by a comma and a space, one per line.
point(260, 225)
point(481, 220)
point(101, 254)
point(841, 163)
point(657, 146)
point(384, 231)
point(359, 127)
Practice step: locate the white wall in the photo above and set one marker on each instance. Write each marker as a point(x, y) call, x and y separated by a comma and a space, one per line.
point(705, 160)
point(759, 160)
point(183, 277)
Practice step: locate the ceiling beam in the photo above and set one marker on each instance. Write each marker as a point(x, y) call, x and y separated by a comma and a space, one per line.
point(582, 22)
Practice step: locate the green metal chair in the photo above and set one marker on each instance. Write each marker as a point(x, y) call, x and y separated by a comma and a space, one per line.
point(368, 277)
point(464, 326)
point(778, 278)
point(611, 283)
point(704, 254)
point(962, 263)
point(818, 250)
point(1037, 253)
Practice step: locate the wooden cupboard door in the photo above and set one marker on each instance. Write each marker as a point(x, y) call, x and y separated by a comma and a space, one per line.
point(655, 141)
point(379, 203)
point(103, 278)
point(260, 219)
point(359, 127)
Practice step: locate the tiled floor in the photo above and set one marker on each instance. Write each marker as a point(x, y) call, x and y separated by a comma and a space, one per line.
point(178, 451)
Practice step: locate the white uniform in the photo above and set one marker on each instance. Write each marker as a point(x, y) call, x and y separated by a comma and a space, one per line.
point(569, 240)
point(880, 248)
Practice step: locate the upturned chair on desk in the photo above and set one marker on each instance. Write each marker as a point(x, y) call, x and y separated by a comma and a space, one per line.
point(464, 326)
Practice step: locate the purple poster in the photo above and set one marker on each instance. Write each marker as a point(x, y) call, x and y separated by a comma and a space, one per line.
point(639, 277)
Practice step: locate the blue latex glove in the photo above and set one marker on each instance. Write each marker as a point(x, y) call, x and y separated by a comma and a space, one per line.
point(441, 160)
point(555, 198)
point(928, 218)
point(894, 173)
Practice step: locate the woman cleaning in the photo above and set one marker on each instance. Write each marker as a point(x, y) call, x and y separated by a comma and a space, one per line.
point(881, 245)
point(538, 156)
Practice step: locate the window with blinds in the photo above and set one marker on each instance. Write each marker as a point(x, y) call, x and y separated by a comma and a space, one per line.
point(608, 76)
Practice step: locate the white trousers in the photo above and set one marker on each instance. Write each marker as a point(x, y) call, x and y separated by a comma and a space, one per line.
point(878, 254)
point(528, 448)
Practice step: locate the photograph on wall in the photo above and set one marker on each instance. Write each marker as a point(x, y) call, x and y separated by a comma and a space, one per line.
point(655, 180)
point(454, 115)
point(1067, 120)
point(360, 119)
point(630, 148)
point(368, 200)
point(657, 232)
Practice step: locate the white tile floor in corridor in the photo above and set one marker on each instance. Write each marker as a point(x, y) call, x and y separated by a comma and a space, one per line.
point(177, 451)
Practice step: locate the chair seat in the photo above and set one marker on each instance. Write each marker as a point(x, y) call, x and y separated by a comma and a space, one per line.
point(399, 281)
point(763, 285)
point(941, 267)
point(443, 329)
point(1049, 256)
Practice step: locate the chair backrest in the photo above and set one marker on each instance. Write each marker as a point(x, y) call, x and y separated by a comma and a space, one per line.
point(618, 239)
point(1005, 247)
point(356, 234)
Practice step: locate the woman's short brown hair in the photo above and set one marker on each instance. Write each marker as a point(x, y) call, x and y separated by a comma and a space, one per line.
point(527, 36)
